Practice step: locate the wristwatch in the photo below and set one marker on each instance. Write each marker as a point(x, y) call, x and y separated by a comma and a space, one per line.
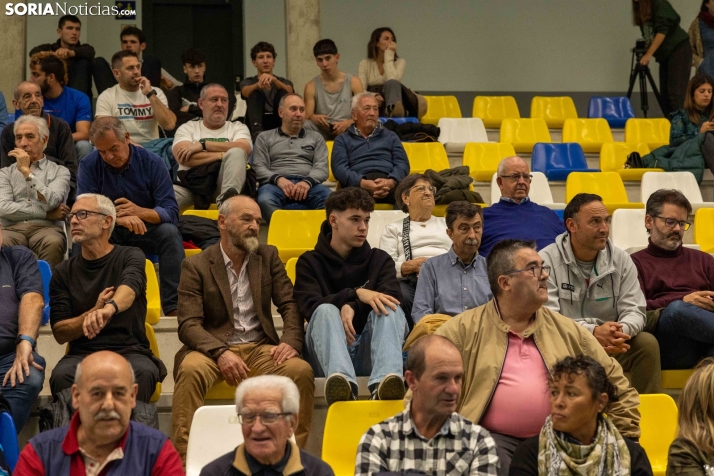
point(203, 144)
point(29, 339)
point(151, 93)
point(116, 308)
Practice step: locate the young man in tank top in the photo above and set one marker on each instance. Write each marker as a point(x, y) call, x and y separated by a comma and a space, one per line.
point(328, 96)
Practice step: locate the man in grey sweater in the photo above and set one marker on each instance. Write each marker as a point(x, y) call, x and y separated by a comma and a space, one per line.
point(290, 163)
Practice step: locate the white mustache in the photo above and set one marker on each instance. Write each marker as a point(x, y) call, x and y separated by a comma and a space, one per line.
point(104, 415)
point(471, 242)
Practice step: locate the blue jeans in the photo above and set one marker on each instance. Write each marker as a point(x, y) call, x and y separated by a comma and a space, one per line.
point(271, 198)
point(686, 335)
point(23, 395)
point(163, 240)
point(376, 352)
point(83, 148)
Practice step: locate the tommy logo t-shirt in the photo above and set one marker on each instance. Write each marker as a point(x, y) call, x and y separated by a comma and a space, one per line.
point(134, 109)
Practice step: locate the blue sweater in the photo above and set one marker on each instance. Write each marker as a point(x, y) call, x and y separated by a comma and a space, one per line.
point(145, 181)
point(527, 221)
point(353, 156)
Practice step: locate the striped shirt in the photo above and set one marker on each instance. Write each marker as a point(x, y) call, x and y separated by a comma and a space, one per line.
point(246, 324)
point(20, 199)
point(395, 445)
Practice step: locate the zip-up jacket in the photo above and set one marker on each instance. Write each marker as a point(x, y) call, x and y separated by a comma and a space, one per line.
point(482, 338)
point(613, 293)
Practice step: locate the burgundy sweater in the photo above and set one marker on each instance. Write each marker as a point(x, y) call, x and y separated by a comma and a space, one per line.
point(667, 276)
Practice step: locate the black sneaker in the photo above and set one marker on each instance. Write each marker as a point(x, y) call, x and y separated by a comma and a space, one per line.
point(338, 389)
point(390, 388)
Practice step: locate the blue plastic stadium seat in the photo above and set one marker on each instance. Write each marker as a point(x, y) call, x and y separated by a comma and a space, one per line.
point(46, 273)
point(615, 110)
point(8, 440)
point(560, 214)
point(398, 120)
point(153, 258)
point(556, 161)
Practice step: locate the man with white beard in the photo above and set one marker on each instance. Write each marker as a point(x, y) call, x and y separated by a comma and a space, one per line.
point(226, 324)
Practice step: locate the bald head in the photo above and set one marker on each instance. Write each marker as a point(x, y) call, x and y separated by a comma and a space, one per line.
point(427, 347)
point(104, 363)
point(513, 178)
point(239, 221)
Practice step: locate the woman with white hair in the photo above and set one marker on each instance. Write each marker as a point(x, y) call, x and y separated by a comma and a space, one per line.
point(267, 408)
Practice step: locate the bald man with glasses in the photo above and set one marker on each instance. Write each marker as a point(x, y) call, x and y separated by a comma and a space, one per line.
point(515, 216)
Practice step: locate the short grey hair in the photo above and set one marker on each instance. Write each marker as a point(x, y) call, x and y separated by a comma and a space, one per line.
point(104, 124)
point(42, 130)
point(502, 164)
point(104, 205)
point(78, 373)
point(291, 396)
point(281, 104)
point(500, 260)
point(204, 90)
point(358, 97)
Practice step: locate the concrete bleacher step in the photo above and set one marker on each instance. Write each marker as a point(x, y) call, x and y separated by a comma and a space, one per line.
point(556, 135)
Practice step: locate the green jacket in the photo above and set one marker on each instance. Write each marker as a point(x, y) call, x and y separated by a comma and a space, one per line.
point(685, 459)
point(665, 20)
point(686, 157)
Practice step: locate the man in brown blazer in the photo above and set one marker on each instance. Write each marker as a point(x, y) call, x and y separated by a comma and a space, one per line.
point(226, 324)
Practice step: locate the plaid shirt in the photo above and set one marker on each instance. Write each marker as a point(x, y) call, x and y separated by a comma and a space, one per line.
point(459, 448)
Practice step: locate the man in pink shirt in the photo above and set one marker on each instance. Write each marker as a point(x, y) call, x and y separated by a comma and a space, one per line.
point(508, 346)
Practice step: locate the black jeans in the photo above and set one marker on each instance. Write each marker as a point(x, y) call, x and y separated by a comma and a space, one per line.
point(255, 116)
point(82, 71)
point(146, 371)
point(674, 76)
point(408, 289)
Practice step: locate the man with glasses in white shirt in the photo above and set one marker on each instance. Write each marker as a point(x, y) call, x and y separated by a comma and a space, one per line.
point(515, 216)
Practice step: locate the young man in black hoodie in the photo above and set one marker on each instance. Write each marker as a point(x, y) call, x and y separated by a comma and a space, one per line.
point(349, 293)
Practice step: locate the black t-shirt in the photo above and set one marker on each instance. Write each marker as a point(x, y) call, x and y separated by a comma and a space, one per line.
point(76, 285)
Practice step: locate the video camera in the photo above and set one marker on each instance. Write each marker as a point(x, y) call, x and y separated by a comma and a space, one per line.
point(640, 48)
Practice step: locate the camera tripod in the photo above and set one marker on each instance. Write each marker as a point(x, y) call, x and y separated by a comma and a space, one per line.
point(644, 74)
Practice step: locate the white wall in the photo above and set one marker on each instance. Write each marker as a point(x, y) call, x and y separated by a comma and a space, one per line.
point(497, 45)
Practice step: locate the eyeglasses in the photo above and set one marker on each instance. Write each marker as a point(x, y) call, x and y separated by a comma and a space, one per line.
point(517, 177)
point(81, 215)
point(532, 269)
point(421, 189)
point(265, 418)
point(671, 222)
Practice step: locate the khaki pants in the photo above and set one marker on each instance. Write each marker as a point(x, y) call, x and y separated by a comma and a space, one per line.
point(48, 242)
point(642, 361)
point(199, 372)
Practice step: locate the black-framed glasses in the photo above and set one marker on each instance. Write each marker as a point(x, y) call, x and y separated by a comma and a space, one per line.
point(670, 222)
point(532, 269)
point(81, 215)
point(266, 418)
point(422, 189)
point(517, 177)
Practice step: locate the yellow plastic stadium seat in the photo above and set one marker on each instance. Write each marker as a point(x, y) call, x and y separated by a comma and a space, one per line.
point(330, 177)
point(346, 423)
point(658, 423)
point(153, 299)
point(524, 133)
point(606, 184)
point(191, 252)
point(704, 229)
point(290, 268)
point(440, 106)
point(675, 378)
point(492, 110)
point(554, 110)
point(613, 156)
point(426, 155)
point(483, 158)
point(654, 132)
point(383, 206)
point(294, 231)
point(210, 214)
point(591, 134)
point(154, 345)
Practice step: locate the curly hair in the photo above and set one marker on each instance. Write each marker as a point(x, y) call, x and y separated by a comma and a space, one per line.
point(346, 198)
point(588, 367)
point(50, 63)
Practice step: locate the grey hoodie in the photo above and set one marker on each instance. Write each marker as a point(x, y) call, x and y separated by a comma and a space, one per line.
point(613, 294)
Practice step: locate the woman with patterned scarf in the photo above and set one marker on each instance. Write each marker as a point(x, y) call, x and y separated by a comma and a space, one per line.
point(577, 438)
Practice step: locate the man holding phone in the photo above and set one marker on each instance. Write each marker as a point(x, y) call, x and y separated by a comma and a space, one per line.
point(141, 107)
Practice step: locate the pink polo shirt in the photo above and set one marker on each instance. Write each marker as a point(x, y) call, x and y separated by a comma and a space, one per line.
point(521, 402)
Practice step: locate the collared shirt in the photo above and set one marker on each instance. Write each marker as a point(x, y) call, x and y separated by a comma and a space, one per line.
point(278, 154)
point(448, 286)
point(259, 469)
point(20, 197)
point(246, 325)
point(523, 200)
point(93, 467)
point(459, 448)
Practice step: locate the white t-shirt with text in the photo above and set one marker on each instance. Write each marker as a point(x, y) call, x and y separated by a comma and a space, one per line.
point(195, 130)
point(133, 109)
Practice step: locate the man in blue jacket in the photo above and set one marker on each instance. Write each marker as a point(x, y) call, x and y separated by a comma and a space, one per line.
point(367, 155)
point(139, 184)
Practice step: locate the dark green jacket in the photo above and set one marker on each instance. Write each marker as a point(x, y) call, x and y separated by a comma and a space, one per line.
point(685, 459)
point(685, 158)
point(666, 21)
